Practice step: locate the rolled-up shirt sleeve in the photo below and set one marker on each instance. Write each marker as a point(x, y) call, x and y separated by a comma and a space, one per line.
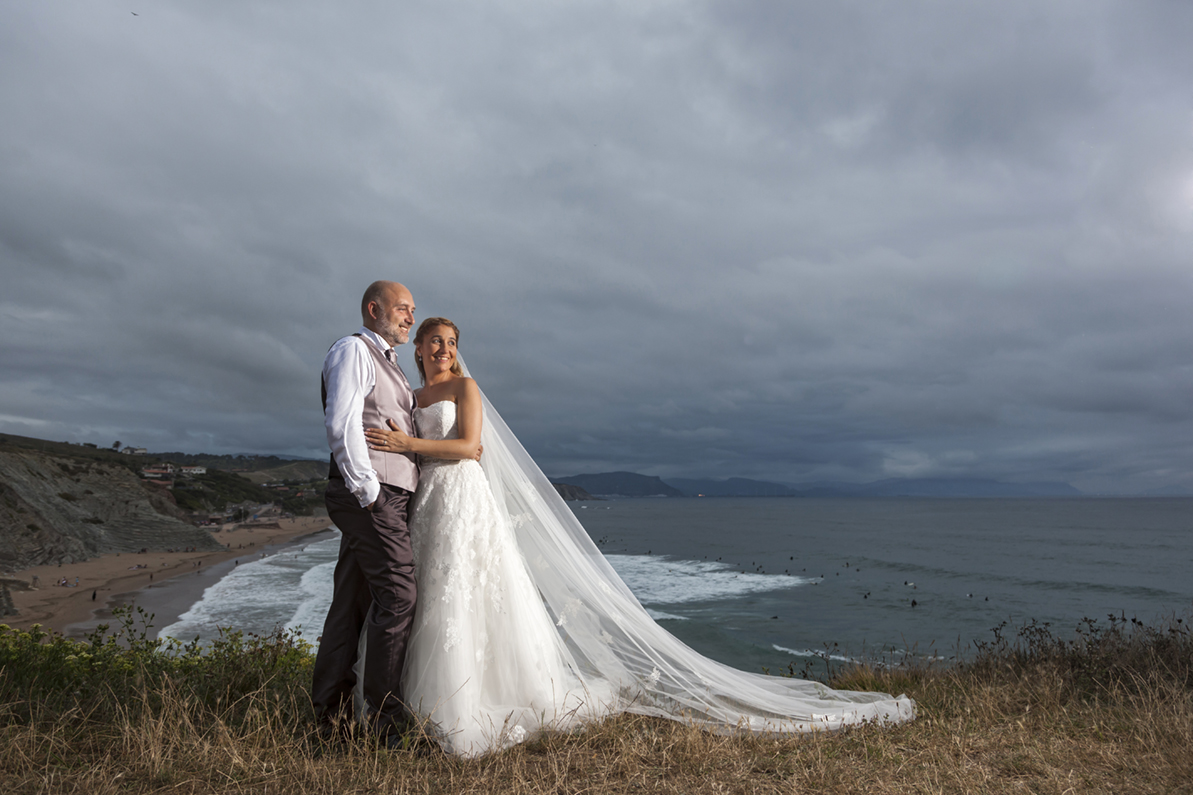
point(349, 376)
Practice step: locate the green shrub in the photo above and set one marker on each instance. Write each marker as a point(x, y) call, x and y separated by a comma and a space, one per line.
point(44, 676)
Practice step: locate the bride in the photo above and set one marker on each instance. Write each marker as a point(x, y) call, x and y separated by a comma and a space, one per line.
point(521, 625)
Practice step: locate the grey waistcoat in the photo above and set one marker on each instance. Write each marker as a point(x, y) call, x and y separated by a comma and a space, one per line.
point(391, 399)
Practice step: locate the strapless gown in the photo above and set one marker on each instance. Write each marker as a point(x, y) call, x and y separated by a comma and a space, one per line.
point(486, 666)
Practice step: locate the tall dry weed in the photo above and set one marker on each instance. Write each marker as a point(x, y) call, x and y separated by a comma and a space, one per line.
point(1032, 718)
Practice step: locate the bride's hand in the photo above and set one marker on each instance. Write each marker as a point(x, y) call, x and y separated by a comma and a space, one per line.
point(391, 441)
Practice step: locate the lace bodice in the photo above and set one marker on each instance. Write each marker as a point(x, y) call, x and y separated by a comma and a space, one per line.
point(437, 421)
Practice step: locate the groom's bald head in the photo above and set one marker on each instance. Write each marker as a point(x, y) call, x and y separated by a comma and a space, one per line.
point(379, 292)
point(388, 309)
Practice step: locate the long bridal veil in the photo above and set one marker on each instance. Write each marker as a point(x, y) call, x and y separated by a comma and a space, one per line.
point(619, 648)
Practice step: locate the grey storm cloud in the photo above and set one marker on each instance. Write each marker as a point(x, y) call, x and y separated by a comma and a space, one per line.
point(791, 241)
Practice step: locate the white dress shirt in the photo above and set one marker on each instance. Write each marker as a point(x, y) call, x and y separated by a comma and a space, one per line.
point(349, 376)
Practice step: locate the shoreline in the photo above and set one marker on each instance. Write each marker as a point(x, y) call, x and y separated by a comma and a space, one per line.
point(167, 601)
point(166, 584)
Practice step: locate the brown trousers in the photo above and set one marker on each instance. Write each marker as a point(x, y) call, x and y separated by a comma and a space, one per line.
point(374, 586)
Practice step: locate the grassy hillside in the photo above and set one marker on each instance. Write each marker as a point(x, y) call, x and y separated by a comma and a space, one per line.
point(290, 471)
point(1110, 711)
point(248, 463)
point(68, 450)
point(216, 489)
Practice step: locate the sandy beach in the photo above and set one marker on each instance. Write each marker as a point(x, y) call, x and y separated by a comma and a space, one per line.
point(164, 583)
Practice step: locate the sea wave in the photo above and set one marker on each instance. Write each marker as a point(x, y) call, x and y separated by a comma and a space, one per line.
point(659, 615)
point(293, 589)
point(316, 587)
point(658, 580)
point(810, 653)
point(284, 589)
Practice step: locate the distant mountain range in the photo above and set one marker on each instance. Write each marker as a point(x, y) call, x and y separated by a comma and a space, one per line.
point(630, 484)
point(938, 487)
point(620, 484)
point(1168, 491)
point(730, 487)
point(572, 493)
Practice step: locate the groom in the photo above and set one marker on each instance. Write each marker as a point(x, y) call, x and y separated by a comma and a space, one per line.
point(368, 493)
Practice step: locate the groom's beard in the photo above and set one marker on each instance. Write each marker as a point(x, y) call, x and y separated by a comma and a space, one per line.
point(392, 332)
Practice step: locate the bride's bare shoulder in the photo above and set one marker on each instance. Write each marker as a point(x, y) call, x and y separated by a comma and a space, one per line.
point(464, 386)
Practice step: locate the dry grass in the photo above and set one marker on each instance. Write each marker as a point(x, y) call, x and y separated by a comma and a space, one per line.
point(1009, 721)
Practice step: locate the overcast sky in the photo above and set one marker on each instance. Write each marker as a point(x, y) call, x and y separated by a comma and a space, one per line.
point(794, 241)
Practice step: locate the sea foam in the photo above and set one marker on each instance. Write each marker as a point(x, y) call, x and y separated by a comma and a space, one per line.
point(810, 653)
point(293, 589)
point(659, 580)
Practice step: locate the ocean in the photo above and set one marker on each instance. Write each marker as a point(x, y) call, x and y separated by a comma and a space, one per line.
point(760, 583)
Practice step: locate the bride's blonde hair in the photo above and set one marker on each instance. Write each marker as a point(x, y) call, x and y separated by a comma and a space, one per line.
point(424, 328)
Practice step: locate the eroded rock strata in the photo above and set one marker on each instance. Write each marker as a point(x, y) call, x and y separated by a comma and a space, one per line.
point(56, 509)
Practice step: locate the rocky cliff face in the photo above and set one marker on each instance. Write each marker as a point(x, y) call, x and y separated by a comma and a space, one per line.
point(56, 509)
point(572, 493)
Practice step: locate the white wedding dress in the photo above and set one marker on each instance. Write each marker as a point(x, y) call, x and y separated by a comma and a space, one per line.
point(522, 625)
point(486, 665)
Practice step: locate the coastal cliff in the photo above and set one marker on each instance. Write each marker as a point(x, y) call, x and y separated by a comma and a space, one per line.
point(572, 493)
point(58, 509)
point(620, 484)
